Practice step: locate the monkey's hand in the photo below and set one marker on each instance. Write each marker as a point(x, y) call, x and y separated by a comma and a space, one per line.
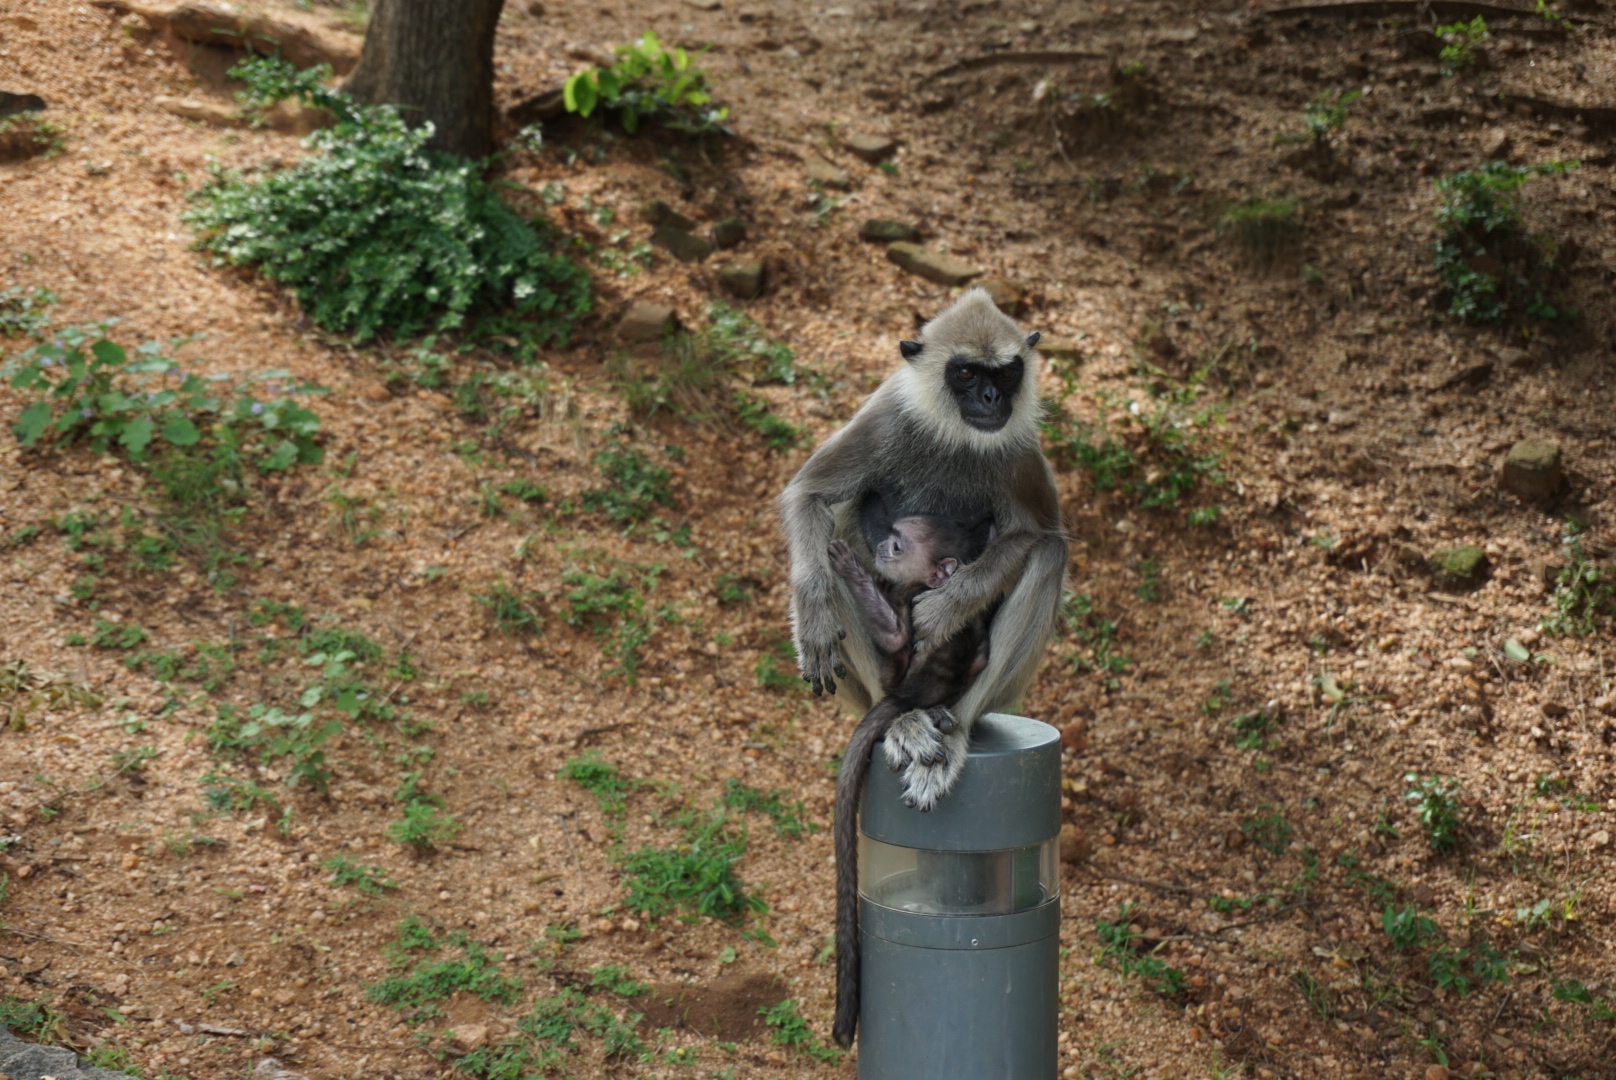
point(815, 634)
point(928, 747)
point(937, 615)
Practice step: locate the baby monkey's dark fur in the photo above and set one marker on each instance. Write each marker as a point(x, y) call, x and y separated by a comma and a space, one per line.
point(919, 553)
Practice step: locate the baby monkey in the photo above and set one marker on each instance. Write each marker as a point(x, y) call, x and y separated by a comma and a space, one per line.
point(919, 553)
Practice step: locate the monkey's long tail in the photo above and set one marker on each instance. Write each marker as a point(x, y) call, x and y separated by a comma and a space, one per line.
point(849, 794)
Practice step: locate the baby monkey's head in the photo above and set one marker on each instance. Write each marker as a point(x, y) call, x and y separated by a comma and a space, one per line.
point(924, 551)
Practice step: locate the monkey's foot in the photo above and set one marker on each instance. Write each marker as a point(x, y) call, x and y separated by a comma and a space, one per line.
point(928, 747)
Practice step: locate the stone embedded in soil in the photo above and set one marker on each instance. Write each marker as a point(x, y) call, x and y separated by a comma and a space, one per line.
point(1074, 845)
point(1060, 348)
point(1007, 296)
point(871, 148)
point(729, 233)
point(932, 265)
point(889, 232)
point(682, 245)
point(657, 212)
point(208, 23)
point(742, 280)
point(12, 104)
point(1460, 565)
point(1515, 358)
point(1532, 470)
point(1496, 145)
point(217, 113)
point(270, 1069)
point(469, 1036)
point(825, 174)
point(646, 321)
point(29, 1061)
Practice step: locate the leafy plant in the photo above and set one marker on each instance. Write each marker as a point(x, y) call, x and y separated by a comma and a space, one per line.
point(111, 635)
point(1251, 730)
point(648, 81)
point(1461, 969)
point(635, 486)
point(1582, 592)
point(755, 414)
point(1437, 809)
point(789, 820)
point(1483, 253)
point(793, 1032)
point(601, 779)
point(374, 231)
point(776, 668)
point(1408, 928)
point(610, 606)
point(350, 874)
point(89, 388)
point(423, 827)
point(1323, 116)
point(1267, 828)
point(474, 972)
point(271, 733)
point(616, 980)
point(1460, 41)
point(513, 613)
point(125, 762)
point(22, 312)
point(695, 875)
point(1119, 949)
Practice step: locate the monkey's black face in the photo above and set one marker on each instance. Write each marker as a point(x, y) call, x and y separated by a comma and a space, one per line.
point(986, 394)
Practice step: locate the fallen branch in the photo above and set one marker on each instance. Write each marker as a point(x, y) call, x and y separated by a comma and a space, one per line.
point(976, 63)
point(1460, 9)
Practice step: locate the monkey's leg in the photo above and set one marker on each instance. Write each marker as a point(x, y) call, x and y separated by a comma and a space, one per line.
point(929, 747)
point(930, 758)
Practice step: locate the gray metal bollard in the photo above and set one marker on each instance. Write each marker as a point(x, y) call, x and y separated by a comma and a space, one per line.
point(960, 916)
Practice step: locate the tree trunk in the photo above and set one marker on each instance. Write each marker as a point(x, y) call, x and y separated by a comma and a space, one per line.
point(434, 60)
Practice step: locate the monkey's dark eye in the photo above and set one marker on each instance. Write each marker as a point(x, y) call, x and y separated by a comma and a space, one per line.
point(967, 375)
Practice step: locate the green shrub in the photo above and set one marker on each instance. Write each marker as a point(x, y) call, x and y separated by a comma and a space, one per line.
point(789, 819)
point(601, 779)
point(22, 312)
point(376, 232)
point(423, 827)
point(475, 972)
point(348, 873)
point(1459, 44)
point(648, 81)
point(696, 874)
point(793, 1032)
point(1119, 949)
point(1437, 808)
point(89, 388)
point(513, 612)
point(635, 487)
point(1322, 116)
point(1489, 264)
point(1583, 591)
point(1407, 928)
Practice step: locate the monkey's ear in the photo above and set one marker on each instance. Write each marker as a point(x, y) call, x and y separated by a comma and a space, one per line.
point(910, 349)
point(1032, 338)
point(944, 570)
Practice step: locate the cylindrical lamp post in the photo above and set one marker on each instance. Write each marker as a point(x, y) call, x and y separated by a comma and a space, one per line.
point(960, 916)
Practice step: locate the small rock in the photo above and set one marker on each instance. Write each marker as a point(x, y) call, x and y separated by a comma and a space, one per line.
point(1496, 145)
point(657, 212)
point(12, 104)
point(1234, 840)
point(295, 118)
point(376, 392)
point(1515, 358)
point(705, 5)
point(217, 113)
point(285, 997)
point(682, 245)
point(1463, 665)
point(469, 1036)
point(825, 174)
point(646, 321)
point(931, 265)
point(1060, 348)
point(1461, 565)
point(270, 1069)
point(742, 280)
point(1553, 709)
point(871, 148)
point(1074, 845)
point(235, 960)
point(1436, 1072)
point(535, 8)
point(889, 232)
point(1532, 470)
point(729, 233)
point(1600, 839)
point(1009, 297)
point(1075, 736)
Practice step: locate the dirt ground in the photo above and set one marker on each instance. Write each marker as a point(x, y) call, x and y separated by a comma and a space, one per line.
point(1358, 429)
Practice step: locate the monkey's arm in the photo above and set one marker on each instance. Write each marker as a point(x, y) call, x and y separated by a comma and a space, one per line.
point(837, 471)
point(889, 632)
point(1029, 516)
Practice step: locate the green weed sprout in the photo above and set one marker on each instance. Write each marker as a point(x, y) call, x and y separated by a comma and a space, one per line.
point(648, 81)
point(1437, 809)
point(1460, 41)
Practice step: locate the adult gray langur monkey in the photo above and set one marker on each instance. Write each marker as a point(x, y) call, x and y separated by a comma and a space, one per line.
point(952, 433)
